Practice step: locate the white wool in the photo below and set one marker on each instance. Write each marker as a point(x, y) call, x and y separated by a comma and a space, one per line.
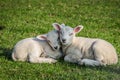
point(36, 50)
point(87, 51)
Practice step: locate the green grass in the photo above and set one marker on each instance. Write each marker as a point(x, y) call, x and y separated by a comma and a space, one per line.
point(21, 19)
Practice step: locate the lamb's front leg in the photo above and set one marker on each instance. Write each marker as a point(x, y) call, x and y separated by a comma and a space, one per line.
point(36, 58)
point(89, 62)
point(73, 58)
point(42, 60)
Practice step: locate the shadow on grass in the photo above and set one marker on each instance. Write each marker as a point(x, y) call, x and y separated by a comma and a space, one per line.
point(2, 27)
point(4, 52)
point(109, 68)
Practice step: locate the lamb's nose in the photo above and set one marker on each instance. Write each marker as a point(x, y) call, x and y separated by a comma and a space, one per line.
point(56, 47)
point(63, 40)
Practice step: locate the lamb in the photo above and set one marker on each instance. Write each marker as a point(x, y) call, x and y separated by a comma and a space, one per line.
point(41, 49)
point(85, 51)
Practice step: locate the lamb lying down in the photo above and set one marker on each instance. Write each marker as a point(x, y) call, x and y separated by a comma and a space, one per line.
point(42, 49)
point(87, 51)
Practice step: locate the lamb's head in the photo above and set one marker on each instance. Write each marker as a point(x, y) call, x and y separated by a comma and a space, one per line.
point(66, 33)
point(52, 38)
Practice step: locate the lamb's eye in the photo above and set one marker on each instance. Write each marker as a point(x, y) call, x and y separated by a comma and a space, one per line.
point(58, 39)
point(70, 34)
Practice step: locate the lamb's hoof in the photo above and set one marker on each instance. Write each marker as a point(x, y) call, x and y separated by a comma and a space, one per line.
point(80, 63)
point(53, 61)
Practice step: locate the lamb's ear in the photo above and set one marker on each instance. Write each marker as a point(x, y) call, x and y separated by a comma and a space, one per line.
point(78, 29)
point(42, 37)
point(62, 24)
point(56, 26)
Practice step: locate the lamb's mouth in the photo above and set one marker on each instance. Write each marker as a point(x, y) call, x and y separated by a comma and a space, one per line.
point(54, 48)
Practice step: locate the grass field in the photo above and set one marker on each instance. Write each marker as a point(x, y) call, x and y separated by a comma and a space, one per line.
point(21, 19)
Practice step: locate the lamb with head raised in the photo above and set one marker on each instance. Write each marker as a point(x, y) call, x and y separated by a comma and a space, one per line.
point(41, 49)
point(85, 51)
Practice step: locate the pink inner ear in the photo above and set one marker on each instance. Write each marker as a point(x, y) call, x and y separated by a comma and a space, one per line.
point(77, 29)
point(43, 37)
point(58, 27)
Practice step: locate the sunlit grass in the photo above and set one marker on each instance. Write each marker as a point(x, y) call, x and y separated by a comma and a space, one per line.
point(29, 18)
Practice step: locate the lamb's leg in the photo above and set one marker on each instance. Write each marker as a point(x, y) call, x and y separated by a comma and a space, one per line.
point(35, 58)
point(71, 58)
point(68, 59)
point(100, 51)
point(41, 60)
point(89, 62)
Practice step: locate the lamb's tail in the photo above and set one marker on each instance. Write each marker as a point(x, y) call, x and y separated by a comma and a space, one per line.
point(13, 57)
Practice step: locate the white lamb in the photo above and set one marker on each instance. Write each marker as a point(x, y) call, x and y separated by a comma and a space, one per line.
point(42, 49)
point(85, 51)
